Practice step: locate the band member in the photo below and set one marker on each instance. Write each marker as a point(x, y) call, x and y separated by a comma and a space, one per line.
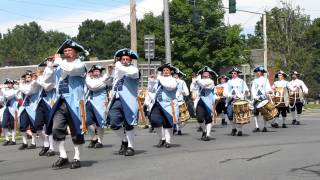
point(123, 113)
point(9, 116)
point(236, 89)
point(260, 88)
point(219, 92)
point(182, 93)
point(152, 80)
point(97, 99)
point(29, 89)
point(68, 109)
point(281, 87)
point(164, 111)
point(297, 89)
point(204, 104)
point(194, 89)
point(46, 99)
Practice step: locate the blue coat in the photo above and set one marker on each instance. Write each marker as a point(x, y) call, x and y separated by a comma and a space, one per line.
point(71, 89)
point(98, 101)
point(127, 89)
point(164, 97)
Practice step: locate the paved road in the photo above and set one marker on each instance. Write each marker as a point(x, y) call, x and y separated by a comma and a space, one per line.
point(291, 153)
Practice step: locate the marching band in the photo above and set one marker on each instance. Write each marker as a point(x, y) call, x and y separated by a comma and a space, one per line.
point(65, 98)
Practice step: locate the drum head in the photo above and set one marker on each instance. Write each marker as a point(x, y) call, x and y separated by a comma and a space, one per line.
point(240, 102)
point(262, 103)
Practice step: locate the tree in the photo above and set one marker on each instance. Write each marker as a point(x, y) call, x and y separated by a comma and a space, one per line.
point(201, 38)
point(103, 39)
point(151, 25)
point(286, 29)
point(28, 44)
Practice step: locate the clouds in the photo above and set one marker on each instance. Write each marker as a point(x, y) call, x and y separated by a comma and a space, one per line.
point(68, 21)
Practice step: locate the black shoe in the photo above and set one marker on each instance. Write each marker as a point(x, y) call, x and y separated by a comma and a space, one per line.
point(239, 133)
point(224, 122)
point(23, 146)
point(294, 122)
point(161, 143)
point(298, 123)
point(264, 129)
point(233, 132)
point(60, 163)
point(123, 148)
point(151, 130)
point(284, 126)
point(174, 131)
point(203, 135)
point(167, 145)
point(92, 143)
point(12, 143)
point(129, 152)
point(75, 164)
point(275, 125)
point(43, 151)
point(98, 145)
point(206, 138)
point(256, 130)
point(50, 153)
point(32, 146)
point(179, 133)
point(6, 143)
point(199, 129)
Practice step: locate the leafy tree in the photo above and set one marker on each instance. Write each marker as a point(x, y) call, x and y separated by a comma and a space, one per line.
point(103, 39)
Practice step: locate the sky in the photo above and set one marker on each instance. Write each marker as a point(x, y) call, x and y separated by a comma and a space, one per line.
point(66, 15)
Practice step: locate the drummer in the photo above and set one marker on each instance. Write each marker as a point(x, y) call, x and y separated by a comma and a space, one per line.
point(297, 85)
point(220, 94)
point(282, 107)
point(259, 89)
point(236, 89)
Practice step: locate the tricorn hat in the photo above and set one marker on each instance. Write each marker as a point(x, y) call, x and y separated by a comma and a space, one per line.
point(125, 52)
point(235, 69)
point(71, 44)
point(207, 69)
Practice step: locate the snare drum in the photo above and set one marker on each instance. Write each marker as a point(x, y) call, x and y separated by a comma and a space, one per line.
point(267, 109)
point(241, 112)
point(184, 113)
point(281, 97)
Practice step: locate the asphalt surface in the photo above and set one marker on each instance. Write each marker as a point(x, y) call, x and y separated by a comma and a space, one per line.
point(291, 153)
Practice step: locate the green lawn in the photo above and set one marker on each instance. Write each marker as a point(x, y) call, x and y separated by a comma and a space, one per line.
point(312, 106)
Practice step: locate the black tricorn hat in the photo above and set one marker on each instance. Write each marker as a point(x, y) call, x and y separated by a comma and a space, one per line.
point(179, 72)
point(125, 52)
point(207, 69)
point(295, 73)
point(97, 67)
point(167, 65)
point(223, 77)
point(281, 72)
point(9, 81)
point(260, 69)
point(70, 44)
point(235, 69)
point(28, 72)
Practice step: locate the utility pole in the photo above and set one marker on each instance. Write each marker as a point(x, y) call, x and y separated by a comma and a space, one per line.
point(167, 31)
point(133, 25)
point(265, 47)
